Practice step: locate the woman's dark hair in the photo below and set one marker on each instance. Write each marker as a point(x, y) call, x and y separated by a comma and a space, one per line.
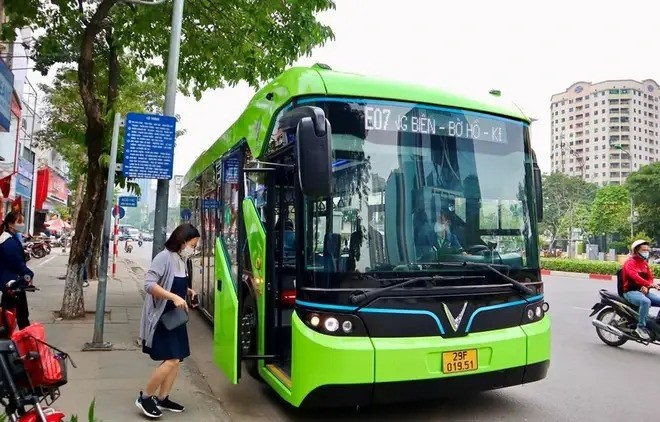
point(181, 235)
point(10, 218)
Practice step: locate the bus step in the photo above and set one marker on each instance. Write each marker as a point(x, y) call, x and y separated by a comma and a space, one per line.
point(259, 356)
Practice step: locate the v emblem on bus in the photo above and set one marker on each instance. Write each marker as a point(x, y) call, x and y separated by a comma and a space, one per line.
point(454, 321)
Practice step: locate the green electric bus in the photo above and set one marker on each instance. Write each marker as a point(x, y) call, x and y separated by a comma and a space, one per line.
point(368, 241)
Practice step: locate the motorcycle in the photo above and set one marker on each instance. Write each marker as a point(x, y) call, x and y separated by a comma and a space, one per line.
point(616, 321)
point(140, 243)
point(39, 249)
point(128, 246)
point(24, 360)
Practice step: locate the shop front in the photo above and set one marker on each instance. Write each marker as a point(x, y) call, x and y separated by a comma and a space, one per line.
point(8, 147)
point(52, 192)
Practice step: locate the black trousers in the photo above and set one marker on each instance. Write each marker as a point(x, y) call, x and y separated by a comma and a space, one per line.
point(17, 303)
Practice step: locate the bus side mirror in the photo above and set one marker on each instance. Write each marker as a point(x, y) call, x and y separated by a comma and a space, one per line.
point(314, 153)
point(538, 190)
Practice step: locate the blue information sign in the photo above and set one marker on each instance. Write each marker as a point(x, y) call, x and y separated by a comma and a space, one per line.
point(149, 146)
point(122, 212)
point(186, 215)
point(6, 91)
point(128, 201)
point(210, 203)
point(231, 170)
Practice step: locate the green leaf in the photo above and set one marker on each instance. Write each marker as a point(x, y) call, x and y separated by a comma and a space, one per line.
point(90, 413)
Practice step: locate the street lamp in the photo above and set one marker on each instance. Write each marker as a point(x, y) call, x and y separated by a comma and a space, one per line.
point(623, 150)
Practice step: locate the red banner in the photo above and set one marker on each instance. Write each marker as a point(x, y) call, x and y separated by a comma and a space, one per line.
point(57, 187)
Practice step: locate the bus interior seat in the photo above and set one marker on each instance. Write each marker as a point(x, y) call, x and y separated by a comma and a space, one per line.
point(289, 238)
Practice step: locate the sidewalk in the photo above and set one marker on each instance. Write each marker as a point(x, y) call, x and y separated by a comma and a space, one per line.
point(114, 377)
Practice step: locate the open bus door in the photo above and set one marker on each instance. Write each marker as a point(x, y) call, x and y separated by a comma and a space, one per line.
point(228, 295)
point(227, 306)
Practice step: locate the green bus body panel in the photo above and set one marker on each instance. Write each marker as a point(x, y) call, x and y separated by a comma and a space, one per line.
point(538, 340)
point(256, 239)
point(225, 324)
point(256, 122)
point(318, 359)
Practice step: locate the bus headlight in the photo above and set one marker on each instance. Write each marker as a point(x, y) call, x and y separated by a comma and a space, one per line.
point(334, 324)
point(534, 312)
point(347, 326)
point(331, 324)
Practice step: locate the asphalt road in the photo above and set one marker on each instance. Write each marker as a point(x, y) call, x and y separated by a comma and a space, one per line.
point(587, 381)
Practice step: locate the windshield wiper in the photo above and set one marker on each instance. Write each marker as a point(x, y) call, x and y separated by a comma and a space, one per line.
point(492, 267)
point(362, 296)
point(515, 283)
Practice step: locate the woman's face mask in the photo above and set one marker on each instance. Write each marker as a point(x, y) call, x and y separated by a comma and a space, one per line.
point(18, 227)
point(644, 254)
point(187, 251)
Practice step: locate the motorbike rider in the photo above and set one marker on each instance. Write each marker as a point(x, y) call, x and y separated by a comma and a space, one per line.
point(638, 285)
point(13, 267)
point(128, 244)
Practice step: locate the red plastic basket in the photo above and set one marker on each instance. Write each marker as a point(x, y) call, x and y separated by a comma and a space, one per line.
point(45, 365)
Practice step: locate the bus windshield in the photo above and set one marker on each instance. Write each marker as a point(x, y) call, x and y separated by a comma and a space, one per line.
point(416, 186)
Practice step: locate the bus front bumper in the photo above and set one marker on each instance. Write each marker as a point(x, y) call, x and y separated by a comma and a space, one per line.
point(349, 395)
point(357, 371)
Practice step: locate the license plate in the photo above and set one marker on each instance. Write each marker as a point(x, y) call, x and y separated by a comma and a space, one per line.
point(459, 361)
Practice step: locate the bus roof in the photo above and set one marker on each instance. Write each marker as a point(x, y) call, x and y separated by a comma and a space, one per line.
point(255, 122)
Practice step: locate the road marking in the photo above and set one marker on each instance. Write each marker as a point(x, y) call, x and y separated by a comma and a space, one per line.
point(47, 261)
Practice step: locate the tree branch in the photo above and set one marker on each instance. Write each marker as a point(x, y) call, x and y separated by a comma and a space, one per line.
point(113, 70)
point(86, 63)
point(82, 12)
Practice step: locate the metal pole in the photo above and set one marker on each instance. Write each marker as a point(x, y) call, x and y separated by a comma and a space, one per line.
point(632, 228)
point(115, 245)
point(97, 341)
point(163, 186)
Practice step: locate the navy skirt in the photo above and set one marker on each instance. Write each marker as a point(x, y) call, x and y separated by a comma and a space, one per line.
point(172, 344)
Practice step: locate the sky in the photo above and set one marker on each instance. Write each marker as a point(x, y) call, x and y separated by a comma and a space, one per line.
point(528, 50)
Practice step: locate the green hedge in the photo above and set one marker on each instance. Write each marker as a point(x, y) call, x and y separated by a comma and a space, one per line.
point(586, 266)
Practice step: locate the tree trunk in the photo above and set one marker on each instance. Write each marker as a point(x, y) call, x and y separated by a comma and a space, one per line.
point(96, 256)
point(78, 201)
point(90, 217)
point(91, 209)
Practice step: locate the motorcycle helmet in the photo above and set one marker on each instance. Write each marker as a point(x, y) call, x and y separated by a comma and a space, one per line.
point(637, 243)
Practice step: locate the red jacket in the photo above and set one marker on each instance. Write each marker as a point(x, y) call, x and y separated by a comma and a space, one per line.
point(636, 273)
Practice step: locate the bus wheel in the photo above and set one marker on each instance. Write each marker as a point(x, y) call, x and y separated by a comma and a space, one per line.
point(249, 335)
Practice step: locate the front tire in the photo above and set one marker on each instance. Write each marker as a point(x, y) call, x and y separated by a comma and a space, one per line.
point(608, 316)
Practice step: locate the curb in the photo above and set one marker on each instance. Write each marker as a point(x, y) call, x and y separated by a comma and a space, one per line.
point(590, 276)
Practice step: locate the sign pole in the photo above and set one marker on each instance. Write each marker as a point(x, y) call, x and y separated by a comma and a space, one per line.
point(163, 186)
point(115, 245)
point(97, 341)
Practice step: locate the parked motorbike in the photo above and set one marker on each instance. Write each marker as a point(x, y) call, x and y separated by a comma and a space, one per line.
point(617, 318)
point(39, 249)
point(31, 370)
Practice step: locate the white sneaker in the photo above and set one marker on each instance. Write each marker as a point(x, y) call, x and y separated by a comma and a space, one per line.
point(642, 333)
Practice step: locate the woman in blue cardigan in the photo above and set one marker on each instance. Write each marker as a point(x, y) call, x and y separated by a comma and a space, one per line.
point(13, 267)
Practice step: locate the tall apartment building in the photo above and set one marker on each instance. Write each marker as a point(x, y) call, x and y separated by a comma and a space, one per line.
point(602, 131)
